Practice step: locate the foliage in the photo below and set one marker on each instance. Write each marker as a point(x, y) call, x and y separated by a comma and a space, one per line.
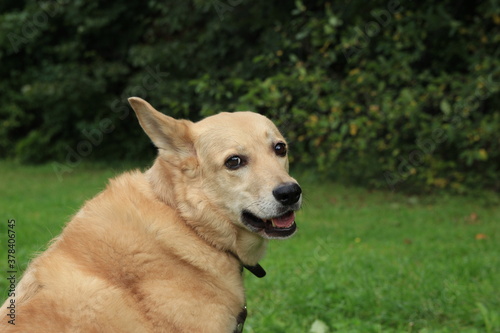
point(383, 93)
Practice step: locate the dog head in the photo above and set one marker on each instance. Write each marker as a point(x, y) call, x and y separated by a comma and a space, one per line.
point(227, 175)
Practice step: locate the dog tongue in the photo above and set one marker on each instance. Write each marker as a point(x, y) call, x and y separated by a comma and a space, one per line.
point(284, 221)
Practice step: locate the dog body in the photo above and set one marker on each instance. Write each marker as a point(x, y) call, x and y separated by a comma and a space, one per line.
point(162, 251)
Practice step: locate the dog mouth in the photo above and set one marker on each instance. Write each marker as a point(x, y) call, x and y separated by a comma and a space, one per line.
point(282, 226)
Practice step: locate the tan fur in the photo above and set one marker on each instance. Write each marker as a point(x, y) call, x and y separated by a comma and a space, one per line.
point(160, 251)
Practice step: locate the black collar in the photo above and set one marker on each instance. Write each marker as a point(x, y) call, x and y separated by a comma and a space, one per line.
point(256, 270)
point(259, 272)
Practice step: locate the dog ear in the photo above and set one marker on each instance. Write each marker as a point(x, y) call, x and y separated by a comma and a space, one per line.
point(167, 133)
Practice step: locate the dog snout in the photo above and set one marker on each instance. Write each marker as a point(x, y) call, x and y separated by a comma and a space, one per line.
point(287, 193)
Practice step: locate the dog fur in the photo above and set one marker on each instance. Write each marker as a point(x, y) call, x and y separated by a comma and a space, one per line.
point(162, 251)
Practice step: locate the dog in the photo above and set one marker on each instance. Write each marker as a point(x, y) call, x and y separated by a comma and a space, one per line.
point(164, 250)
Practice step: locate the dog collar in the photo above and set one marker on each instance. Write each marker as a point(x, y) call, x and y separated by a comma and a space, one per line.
point(259, 272)
point(256, 270)
point(240, 321)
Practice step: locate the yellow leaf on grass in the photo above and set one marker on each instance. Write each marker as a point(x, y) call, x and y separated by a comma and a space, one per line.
point(473, 217)
point(481, 236)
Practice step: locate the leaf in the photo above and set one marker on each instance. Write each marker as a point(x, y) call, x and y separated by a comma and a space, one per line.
point(482, 154)
point(319, 327)
point(473, 217)
point(334, 21)
point(353, 129)
point(481, 236)
point(445, 107)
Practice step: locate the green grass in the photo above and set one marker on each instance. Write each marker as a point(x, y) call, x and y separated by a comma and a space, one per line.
point(361, 262)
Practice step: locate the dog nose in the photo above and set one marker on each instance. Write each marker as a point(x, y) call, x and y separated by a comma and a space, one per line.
point(287, 193)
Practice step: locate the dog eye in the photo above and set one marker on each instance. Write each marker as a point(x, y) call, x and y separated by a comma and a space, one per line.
point(234, 162)
point(280, 149)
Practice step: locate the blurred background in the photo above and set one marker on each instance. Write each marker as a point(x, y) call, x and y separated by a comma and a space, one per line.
point(390, 94)
point(391, 109)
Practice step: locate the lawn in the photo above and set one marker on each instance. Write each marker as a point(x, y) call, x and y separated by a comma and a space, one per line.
point(362, 261)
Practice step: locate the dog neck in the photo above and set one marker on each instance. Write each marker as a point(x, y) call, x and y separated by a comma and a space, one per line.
point(175, 189)
point(181, 192)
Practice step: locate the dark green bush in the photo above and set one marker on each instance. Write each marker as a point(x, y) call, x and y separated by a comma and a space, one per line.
point(393, 94)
